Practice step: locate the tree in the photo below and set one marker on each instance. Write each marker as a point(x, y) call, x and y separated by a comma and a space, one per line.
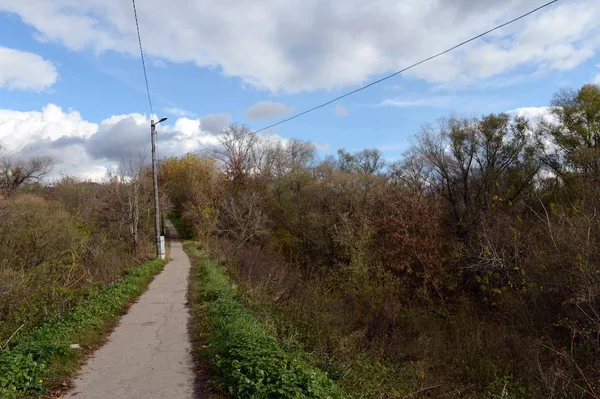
point(18, 173)
point(132, 177)
point(236, 152)
point(345, 161)
point(300, 155)
point(575, 133)
point(193, 184)
point(475, 161)
point(412, 172)
point(369, 161)
point(242, 218)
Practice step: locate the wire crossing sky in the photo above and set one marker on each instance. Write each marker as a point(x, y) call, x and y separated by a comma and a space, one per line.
point(137, 26)
point(388, 76)
point(71, 86)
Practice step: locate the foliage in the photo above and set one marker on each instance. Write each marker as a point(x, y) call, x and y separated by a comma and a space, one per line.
point(59, 246)
point(43, 352)
point(250, 362)
point(193, 187)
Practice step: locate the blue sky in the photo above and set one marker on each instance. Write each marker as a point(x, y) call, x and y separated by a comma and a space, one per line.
point(72, 69)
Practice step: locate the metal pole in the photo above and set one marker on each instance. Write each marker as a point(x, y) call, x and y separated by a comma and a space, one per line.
point(155, 182)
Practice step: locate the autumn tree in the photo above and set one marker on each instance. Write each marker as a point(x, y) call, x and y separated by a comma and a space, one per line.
point(474, 161)
point(193, 186)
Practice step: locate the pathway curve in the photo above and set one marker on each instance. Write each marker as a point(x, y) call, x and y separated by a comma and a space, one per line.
point(148, 355)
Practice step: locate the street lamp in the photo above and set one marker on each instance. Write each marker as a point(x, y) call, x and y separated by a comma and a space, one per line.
point(160, 240)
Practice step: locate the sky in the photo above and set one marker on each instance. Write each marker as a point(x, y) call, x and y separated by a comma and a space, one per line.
point(72, 85)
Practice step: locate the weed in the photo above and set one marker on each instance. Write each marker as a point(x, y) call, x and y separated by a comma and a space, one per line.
point(41, 358)
point(250, 363)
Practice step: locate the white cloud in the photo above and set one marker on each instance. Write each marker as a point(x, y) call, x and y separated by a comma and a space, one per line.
point(178, 112)
point(445, 101)
point(462, 103)
point(340, 111)
point(534, 115)
point(267, 110)
point(322, 147)
point(88, 149)
point(20, 70)
point(51, 132)
point(314, 44)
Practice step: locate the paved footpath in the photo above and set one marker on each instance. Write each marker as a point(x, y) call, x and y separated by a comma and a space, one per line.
point(148, 355)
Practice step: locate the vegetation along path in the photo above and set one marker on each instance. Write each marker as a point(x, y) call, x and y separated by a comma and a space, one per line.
point(149, 354)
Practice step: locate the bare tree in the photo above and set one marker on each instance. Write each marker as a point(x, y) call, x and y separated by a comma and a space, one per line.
point(17, 173)
point(265, 156)
point(369, 161)
point(412, 172)
point(236, 152)
point(475, 161)
point(131, 176)
point(300, 155)
point(242, 218)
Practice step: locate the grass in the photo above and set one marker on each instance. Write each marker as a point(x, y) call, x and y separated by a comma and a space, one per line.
point(40, 360)
point(248, 361)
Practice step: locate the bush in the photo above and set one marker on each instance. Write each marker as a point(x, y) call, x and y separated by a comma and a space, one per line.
point(250, 362)
point(40, 268)
point(44, 351)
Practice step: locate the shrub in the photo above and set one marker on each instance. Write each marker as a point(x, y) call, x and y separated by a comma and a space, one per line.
point(250, 362)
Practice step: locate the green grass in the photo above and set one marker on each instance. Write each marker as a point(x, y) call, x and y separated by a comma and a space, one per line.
point(248, 361)
point(41, 359)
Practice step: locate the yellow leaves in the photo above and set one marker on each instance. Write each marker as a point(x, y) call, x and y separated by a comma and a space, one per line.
point(209, 212)
point(486, 251)
point(189, 179)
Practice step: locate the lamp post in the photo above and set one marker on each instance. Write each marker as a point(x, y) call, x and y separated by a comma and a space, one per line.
point(160, 251)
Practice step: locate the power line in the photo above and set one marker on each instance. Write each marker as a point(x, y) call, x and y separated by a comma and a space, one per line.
point(391, 75)
point(160, 254)
point(137, 25)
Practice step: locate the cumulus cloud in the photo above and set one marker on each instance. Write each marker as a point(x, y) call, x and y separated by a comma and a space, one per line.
point(20, 70)
point(340, 111)
point(534, 115)
point(306, 45)
point(88, 149)
point(215, 123)
point(263, 110)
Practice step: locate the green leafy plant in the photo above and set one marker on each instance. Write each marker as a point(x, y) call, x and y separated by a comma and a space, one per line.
point(43, 352)
point(249, 362)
